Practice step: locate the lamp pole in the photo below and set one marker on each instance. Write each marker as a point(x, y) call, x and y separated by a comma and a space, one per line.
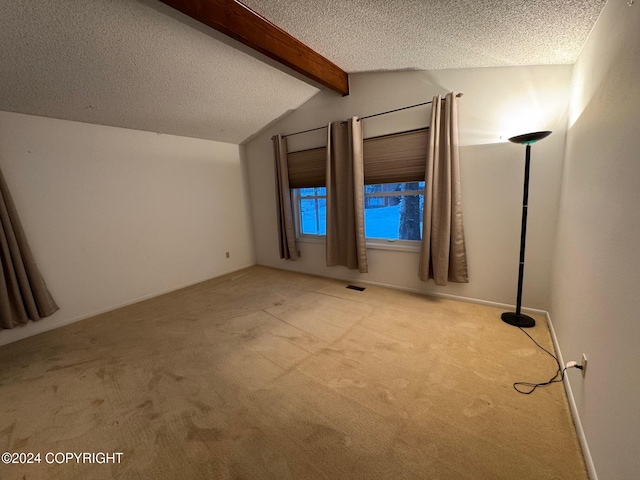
point(518, 319)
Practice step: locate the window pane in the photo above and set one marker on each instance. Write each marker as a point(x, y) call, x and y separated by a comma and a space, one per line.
point(394, 187)
point(394, 217)
point(390, 213)
point(310, 192)
point(411, 186)
point(313, 214)
point(410, 221)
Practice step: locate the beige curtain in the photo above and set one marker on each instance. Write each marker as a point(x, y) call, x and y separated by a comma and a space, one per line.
point(23, 293)
point(443, 256)
point(286, 230)
point(345, 196)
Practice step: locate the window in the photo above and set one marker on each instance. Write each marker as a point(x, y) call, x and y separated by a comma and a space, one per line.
point(394, 171)
point(312, 210)
point(392, 211)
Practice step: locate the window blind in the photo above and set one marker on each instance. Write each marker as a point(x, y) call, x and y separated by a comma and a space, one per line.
point(395, 158)
point(307, 168)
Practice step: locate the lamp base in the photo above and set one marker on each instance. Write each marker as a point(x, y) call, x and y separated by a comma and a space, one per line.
point(523, 321)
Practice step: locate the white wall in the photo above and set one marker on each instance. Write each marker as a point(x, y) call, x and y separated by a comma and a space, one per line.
point(596, 273)
point(115, 215)
point(497, 103)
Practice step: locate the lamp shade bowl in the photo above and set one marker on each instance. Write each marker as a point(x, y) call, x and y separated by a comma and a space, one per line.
point(529, 138)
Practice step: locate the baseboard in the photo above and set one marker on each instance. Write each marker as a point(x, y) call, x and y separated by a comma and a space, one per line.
point(447, 296)
point(588, 460)
point(31, 329)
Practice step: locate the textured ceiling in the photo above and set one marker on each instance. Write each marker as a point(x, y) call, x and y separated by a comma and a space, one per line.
point(141, 65)
point(369, 35)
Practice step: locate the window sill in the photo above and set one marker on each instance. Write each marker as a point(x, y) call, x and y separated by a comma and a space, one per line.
point(395, 245)
point(311, 239)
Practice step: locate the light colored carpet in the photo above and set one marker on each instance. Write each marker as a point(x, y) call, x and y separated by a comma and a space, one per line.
point(266, 374)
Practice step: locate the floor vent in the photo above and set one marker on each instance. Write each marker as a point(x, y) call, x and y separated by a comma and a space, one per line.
point(353, 287)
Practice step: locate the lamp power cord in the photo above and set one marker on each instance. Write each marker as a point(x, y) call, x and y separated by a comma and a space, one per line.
point(527, 388)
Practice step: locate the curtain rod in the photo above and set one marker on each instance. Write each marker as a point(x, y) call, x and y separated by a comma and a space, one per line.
point(369, 116)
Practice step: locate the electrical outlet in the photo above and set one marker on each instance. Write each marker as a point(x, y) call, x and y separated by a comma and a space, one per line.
point(584, 364)
point(227, 254)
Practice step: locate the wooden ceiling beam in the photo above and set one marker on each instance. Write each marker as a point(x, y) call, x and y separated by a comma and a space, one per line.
point(239, 22)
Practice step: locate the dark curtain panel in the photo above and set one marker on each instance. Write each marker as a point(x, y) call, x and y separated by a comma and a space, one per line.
point(443, 256)
point(23, 293)
point(345, 196)
point(286, 229)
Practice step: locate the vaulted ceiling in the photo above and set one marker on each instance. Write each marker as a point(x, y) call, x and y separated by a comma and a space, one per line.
point(140, 64)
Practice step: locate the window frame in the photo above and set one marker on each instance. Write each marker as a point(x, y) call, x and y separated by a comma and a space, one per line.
point(374, 243)
point(295, 200)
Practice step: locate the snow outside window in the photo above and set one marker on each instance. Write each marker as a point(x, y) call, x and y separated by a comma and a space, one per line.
point(392, 211)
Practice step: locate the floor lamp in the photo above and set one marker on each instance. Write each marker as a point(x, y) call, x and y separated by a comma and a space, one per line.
point(517, 318)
